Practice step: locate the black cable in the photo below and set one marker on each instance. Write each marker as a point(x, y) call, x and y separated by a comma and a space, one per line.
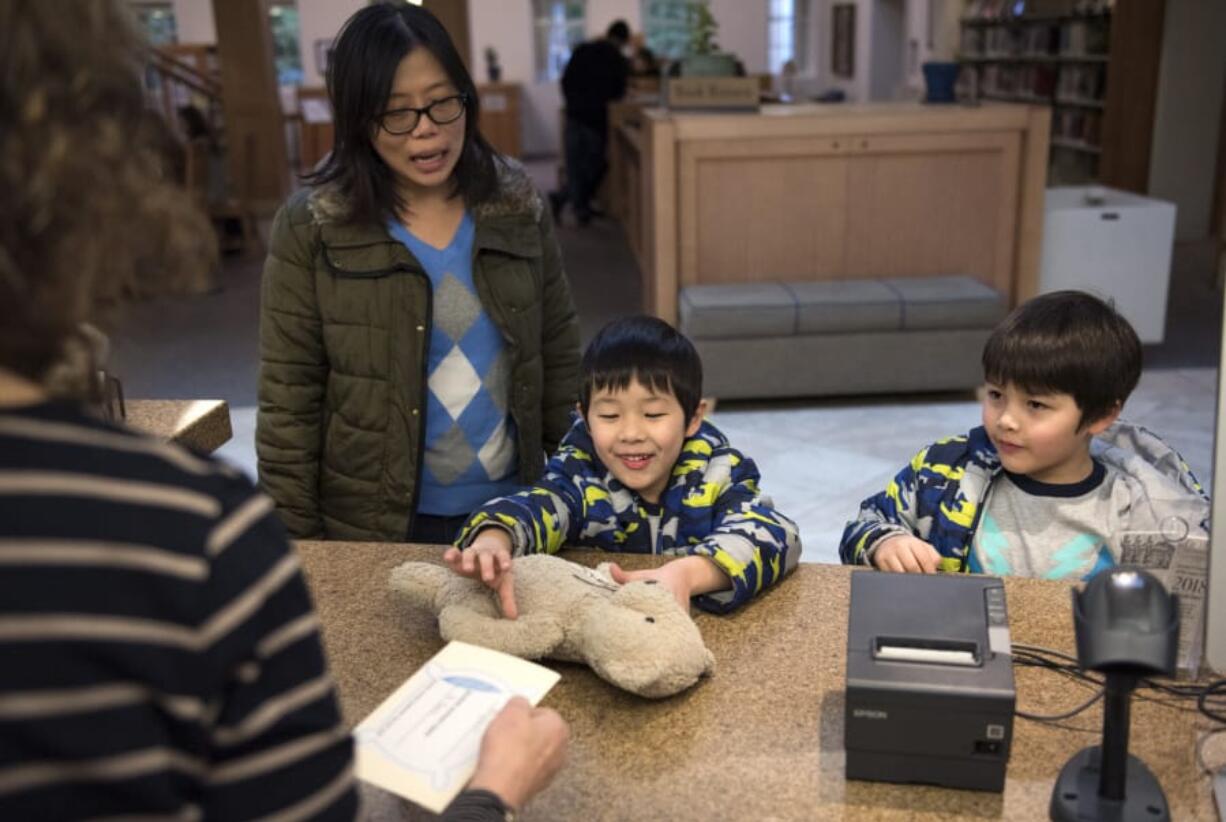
point(1210, 699)
point(1215, 689)
point(1069, 714)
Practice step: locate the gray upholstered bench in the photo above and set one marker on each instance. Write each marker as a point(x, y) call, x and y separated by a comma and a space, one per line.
point(840, 337)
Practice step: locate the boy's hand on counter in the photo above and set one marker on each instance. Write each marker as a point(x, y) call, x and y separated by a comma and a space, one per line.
point(488, 558)
point(684, 577)
point(904, 553)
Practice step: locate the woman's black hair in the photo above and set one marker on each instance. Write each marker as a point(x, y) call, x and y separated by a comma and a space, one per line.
point(646, 350)
point(1067, 342)
point(361, 70)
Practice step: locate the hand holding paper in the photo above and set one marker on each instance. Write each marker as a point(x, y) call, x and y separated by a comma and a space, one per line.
point(424, 741)
point(522, 750)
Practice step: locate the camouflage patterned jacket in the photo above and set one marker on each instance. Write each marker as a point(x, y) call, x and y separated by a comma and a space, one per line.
point(712, 507)
point(939, 495)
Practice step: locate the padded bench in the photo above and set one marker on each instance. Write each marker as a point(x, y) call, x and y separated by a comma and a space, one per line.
point(840, 337)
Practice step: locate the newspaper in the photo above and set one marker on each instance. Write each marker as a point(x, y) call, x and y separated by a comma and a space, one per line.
point(1181, 561)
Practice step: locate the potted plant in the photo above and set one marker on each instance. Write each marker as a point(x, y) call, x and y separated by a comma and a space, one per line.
point(703, 57)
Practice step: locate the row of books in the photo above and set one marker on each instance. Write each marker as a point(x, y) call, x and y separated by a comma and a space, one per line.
point(1077, 127)
point(1082, 82)
point(1007, 9)
point(1082, 86)
point(1074, 37)
point(1013, 81)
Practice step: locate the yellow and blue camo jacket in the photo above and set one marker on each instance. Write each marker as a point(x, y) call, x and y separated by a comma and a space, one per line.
point(939, 496)
point(712, 507)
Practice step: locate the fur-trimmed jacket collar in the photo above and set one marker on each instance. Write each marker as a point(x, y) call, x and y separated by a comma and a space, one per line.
point(515, 196)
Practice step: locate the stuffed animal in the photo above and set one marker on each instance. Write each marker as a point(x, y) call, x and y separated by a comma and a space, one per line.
point(635, 636)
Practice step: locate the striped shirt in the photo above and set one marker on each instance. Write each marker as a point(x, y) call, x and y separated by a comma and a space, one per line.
point(159, 656)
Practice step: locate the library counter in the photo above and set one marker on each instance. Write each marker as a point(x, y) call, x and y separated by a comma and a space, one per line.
point(760, 739)
point(200, 424)
point(799, 193)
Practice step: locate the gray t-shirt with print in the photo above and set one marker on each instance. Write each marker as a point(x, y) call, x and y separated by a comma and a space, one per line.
point(1035, 529)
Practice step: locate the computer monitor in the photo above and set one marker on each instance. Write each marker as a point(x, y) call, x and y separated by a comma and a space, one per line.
point(1215, 606)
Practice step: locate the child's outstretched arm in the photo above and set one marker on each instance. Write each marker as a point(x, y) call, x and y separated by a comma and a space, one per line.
point(885, 514)
point(541, 519)
point(754, 545)
point(488, 558)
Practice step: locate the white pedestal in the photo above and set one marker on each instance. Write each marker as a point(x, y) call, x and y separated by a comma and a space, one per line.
point(1118, 249)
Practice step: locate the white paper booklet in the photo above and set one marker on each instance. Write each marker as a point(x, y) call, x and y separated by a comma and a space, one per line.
point(422, 741)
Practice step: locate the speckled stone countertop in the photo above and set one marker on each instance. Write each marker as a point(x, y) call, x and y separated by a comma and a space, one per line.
point(762, 739)
point(200, 424)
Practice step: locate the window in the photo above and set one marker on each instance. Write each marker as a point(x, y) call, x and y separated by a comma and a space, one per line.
point(788, 26)
point(157, 21)
point(557, 29)
point(666, 27)
point(286, 57)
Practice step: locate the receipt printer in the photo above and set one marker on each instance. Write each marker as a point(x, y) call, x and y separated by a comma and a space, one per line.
point(930, 693)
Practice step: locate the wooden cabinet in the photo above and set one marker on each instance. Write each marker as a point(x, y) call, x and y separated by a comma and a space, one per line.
point(315, 129)
point(808, 193)
point(925, 205)
point(500, 116)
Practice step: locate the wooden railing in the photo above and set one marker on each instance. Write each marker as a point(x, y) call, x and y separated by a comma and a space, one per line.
point(180, 76)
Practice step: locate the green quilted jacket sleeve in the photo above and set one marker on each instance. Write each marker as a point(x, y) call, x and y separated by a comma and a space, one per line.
point(293, 372)
point(560, 343)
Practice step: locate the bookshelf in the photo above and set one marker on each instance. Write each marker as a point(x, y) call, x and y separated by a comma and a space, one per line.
point(1060, 59)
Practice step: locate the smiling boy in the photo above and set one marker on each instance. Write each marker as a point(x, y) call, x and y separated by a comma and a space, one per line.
point(1052, 481)
point(641, 472)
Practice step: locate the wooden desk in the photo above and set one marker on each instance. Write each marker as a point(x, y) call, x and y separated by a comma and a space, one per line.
point(501, 123)
point(200, 424)
point(316, 132)
point(763, 737)
point(832, 192)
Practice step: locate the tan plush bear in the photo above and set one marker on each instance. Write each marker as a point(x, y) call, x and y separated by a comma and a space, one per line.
point(635, 636)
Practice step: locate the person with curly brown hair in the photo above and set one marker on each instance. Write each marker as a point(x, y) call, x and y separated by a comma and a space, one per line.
point(159, 655)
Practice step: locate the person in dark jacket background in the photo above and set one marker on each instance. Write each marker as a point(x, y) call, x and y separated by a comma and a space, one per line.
point(595, 76)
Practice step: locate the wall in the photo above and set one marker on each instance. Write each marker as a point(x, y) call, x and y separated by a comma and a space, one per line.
point(743, 31)
point(506, 25)
point(1188, 112)
point(600, 13)
point(932, 34)
point(857, 86)
point(319, 20)
point(194, 21)
point(887, 50)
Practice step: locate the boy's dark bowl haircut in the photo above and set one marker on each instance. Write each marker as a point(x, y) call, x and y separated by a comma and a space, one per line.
point(1067, 342)
point(361, 70)
point(648, 350)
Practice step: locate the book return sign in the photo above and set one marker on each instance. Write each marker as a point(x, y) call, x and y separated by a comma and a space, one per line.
point(718, 93)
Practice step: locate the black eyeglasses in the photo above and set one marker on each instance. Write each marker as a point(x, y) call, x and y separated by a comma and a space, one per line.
point(441, 112)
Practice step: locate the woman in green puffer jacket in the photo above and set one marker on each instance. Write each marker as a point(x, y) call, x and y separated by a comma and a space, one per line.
point(419, 348)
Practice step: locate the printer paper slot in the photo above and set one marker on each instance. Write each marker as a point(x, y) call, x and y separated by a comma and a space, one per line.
point(936, 652)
